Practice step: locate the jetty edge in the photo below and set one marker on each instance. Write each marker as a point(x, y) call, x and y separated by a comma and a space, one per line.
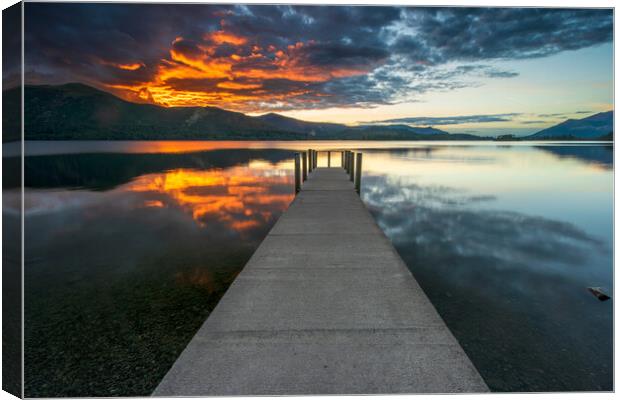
point(324, 306)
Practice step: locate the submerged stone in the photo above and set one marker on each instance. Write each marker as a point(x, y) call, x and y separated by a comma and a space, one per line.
point(598, 292)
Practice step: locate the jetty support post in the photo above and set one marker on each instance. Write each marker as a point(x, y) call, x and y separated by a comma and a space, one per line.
point(342, 159)
point(297, 180)
point(315, 159)
point(304, 166)
point(329, 159)
point(309, 160)
point(349, 159)
point(346, 161)
point(358, 173)
point(351, 172)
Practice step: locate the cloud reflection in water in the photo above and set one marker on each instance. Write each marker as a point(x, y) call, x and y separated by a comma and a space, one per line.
point(510, 286)
point(239, 198)
point(126, 255)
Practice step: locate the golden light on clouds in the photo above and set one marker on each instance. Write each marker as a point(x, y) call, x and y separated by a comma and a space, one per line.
point(132, 66)
point(335, 63)
point(220, 37)
point(229, 71)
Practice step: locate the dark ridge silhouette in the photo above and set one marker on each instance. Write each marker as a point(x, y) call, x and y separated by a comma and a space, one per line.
point(595, 127)
point(75, 111)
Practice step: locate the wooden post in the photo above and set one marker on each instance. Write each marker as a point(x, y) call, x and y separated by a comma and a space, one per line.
point(358, 173)
point(329, 159)
point(346, 161)
point(351, 171)
point(304, 167)
point(297, 183)
point(316, 159)
point(342, 159)
point(309, 160)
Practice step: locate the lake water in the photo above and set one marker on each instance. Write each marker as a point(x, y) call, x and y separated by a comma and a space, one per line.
point(129, 246)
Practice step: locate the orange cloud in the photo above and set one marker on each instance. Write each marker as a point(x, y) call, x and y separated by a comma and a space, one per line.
point(220, 37)
point(227, 70)
point(130, 67)
point(127, 67)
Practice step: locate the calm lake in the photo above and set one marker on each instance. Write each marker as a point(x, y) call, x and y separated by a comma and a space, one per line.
point(129, 246)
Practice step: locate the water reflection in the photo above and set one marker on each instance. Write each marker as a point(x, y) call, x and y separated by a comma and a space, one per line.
point(602, 155)
point(129, 248)
point(505, 257)
point(127, 254)
point(104, 171)
point(238, 198)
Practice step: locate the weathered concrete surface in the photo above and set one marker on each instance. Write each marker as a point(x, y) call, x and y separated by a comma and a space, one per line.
point(324, 306)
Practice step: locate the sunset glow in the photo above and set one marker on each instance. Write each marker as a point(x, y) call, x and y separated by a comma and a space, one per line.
point(205, 74)
point(345, 64)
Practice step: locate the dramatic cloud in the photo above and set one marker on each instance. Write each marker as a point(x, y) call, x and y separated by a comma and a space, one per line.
point(255, 58)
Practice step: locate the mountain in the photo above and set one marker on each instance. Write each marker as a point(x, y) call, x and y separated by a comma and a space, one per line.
point(77, 111)
point(417, 130)
point(595, 127)
point(316, 129)
point(80, 112)
point(323, 130)
point(401, 132)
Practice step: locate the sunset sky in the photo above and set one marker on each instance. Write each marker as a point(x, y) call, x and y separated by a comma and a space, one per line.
point(474, 70)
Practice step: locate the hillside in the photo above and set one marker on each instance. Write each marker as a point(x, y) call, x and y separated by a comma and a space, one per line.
point(595, 127)
point(402, 132)
point(321, 130)
point(314, 129)
point(76, 111)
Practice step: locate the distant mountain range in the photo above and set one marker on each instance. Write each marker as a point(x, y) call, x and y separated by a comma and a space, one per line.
point(76, 111)
point(80, 112)
point(595, 127)
point(296, 125)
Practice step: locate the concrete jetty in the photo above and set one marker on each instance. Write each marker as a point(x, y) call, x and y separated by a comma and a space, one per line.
point(324, 306)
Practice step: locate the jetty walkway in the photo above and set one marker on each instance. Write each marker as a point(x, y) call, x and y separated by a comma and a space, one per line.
point(324, 306)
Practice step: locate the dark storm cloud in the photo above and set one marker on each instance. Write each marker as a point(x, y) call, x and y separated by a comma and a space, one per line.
point(501, 33)
point(343, 55)
point(310, 56)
